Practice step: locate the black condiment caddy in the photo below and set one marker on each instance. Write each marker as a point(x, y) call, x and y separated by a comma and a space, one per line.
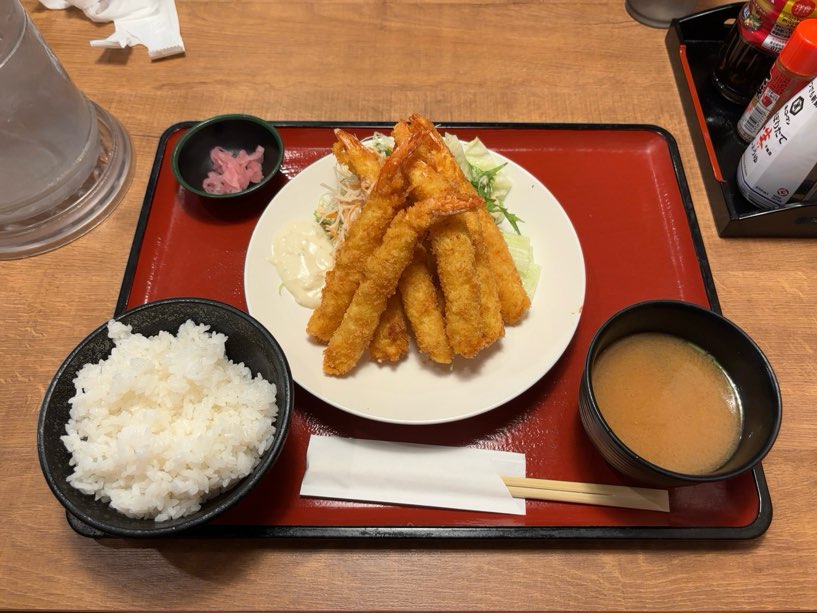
point(693, 44)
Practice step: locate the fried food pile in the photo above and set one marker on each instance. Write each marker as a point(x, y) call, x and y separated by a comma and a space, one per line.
point(424, 253)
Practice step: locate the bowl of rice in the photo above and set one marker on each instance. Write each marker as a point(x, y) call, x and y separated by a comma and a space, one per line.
point(164, 417)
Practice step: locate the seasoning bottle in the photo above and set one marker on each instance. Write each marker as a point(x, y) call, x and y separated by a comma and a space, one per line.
point(760, 31)
point(794, 68)
point(779, 167)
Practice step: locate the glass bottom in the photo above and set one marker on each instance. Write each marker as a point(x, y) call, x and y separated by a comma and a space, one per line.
point(658, 13)
point(85, 208)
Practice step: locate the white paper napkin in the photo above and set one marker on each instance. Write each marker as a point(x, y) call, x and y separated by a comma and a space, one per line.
point(152, 23)
point(408, 473)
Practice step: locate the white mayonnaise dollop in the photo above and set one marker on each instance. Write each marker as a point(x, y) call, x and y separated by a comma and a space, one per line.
point(302, 253)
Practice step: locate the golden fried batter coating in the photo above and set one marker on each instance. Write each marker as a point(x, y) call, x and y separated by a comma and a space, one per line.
point(387, 197)
point(390, 342)
point(456, 270)
point(401, 132)
point(438, 155)
point(383, 272)
point(446, 176)
point(423, 310)
point(361, 160)
point(457, 296)
point(493, 326)
point(513, 298)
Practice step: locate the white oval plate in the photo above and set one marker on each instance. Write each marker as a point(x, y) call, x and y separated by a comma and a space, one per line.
point(414, 391)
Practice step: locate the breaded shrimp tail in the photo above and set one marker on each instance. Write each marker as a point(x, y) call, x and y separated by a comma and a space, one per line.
point(361, 160)
point(387, 197)
point(401, 132)
point(383, 273)
point(439, 155)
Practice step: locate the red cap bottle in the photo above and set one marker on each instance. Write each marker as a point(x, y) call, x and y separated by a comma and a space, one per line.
point(761, 29)
point(795, 66)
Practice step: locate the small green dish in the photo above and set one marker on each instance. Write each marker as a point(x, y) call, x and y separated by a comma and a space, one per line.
point(191, 157)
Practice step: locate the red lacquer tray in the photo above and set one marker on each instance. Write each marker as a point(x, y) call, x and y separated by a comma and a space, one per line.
point(624, 190)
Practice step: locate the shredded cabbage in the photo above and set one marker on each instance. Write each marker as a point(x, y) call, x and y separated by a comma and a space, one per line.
point(485, 174)
point(340, 204)
point(479, 165)
point(522, 254)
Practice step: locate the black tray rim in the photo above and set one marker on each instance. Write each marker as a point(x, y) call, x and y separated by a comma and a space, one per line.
point(753, 530)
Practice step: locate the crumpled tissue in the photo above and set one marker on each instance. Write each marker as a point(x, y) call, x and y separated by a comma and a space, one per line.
point(413, 474)
point(152, 23)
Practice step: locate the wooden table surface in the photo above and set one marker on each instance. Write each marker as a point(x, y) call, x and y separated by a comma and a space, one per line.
point(452, 60)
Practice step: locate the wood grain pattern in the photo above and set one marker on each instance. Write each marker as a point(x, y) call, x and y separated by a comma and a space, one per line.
point(455, 60)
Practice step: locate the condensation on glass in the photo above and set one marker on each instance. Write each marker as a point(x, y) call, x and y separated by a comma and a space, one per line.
point(64, 161)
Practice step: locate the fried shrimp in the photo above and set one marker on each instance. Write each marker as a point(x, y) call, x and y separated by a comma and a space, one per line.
point(493, 326)
point(456, 270)
point(426, 182)
point(390, 342)
point(514, 300)
point(387, 197)
point(422, 307)
point(361, 160)
point(469, 285)
point(383, 272)
point(416, 252)
point(440, 156)
point(401, 132)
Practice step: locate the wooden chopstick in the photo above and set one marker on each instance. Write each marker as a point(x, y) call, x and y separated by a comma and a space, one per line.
point(589, 493)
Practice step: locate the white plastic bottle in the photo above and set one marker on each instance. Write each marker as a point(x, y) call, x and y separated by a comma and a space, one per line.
point(779, 167)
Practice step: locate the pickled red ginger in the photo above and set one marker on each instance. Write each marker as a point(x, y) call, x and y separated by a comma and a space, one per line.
point(233, 173)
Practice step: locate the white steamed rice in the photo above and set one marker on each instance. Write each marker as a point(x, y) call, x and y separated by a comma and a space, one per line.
point(166, 422)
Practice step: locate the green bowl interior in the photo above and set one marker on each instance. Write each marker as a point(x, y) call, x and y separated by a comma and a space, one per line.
point(191, 157)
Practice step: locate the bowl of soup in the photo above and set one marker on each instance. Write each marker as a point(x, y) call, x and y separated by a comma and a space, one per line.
point(674, 394)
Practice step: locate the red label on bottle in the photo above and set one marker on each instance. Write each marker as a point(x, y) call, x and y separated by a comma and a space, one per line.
point(768, 24)
point(803, 8)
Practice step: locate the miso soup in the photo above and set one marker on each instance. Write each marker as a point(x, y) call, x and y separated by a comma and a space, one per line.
point(668, 401)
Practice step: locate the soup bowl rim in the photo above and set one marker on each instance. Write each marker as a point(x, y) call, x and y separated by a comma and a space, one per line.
point(665, 474)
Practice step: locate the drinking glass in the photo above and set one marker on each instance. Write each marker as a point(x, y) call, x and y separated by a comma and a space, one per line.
point(64, 161)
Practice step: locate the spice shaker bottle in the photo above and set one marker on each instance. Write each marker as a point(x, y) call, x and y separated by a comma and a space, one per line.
point(760, 31)
point(795, 67)
point(779, 167)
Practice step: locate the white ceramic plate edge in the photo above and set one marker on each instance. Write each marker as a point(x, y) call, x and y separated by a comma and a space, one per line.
point(413, 391)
